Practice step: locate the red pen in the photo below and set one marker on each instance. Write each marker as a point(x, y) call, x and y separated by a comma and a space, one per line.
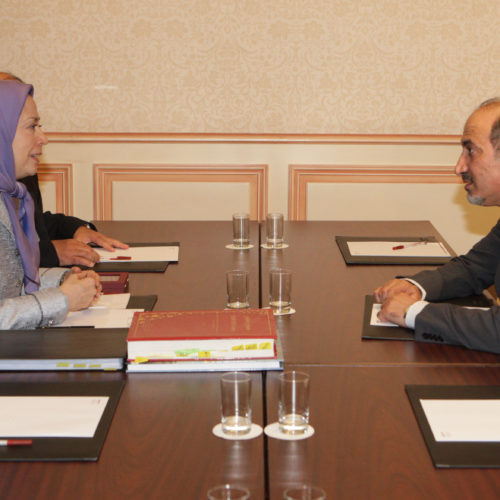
point(121, 257)
point(16, 442)
point(414, 244)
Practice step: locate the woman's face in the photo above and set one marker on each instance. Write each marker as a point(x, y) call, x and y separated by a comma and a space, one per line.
point(28, 141)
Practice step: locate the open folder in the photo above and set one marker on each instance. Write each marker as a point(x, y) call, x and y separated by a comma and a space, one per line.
point(459, 423)
point(72, 418)
point(374, 329)
point(397, 250)
point(154, 259)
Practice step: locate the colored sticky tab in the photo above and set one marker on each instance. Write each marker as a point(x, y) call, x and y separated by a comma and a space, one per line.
point(204, 354)
point(62, 365)
point(238, 347)
point(79, 365)
point(265, 345)
point(96, 365)
point(250, 347)
point(140, 359)
point(186, 352)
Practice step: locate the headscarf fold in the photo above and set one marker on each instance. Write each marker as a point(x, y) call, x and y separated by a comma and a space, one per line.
point(12, 98)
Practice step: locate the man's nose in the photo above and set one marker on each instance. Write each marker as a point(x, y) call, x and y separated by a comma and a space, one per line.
point(461, 165)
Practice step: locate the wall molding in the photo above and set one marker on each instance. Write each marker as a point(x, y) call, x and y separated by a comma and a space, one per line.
point(166, 138)
point(300, 176)
point(256, 176)
point(60, 174)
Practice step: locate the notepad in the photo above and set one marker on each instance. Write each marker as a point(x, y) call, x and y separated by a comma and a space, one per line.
point(393, 249)
point(113, 301)
point(374, 321)
point(51, 416)
point(140, 254)
point(100, 318)
point(463, 419)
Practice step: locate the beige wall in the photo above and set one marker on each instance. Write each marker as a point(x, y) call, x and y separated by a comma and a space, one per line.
point(165, 177)
point(280, 66)
point(157, 67)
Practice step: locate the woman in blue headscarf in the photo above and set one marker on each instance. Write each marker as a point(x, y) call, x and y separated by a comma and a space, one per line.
point(29, 296)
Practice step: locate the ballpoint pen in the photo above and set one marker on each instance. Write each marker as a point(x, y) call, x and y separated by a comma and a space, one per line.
point(16, 442)
point(413, 244)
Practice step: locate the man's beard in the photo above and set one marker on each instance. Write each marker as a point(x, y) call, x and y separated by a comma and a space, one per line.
point(474, 199)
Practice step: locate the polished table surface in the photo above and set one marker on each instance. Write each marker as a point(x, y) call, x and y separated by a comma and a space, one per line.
point(198, 280)
point(160, 445)
point(367, 442)
point(329, 298)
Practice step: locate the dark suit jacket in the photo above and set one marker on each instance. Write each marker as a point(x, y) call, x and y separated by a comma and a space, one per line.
point(465, 275)
point(50, 226)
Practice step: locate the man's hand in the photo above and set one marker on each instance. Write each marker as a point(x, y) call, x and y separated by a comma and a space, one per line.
point(396, 287)
point(395, 307)
point(87, 235)
point(75, 252)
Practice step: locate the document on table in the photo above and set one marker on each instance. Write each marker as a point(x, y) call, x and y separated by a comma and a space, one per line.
point(397, 249)
point(113, 301)
point(140, 254)
point(100, 317)
point(374, 321)
point(56, 416)
point(463, 419)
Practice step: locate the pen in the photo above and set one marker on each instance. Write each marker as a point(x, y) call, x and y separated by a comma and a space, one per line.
point(414, 244)
point(16, 442)
point(121, 257)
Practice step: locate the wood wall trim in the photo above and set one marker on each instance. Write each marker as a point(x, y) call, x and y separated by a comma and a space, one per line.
point(299, 176)
point(166, 138)
point(61, 174)
point(256, 176)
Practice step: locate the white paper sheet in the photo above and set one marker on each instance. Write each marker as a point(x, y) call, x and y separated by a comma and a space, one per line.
point(141, 254)
point(50, 416)
point(374, 321)
point(463, 419)
point(385, 249)
point(112, 301)
point(100, 318)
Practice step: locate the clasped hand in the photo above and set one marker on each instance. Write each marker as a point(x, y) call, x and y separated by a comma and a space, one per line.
point(396, 297)
point(81, 287)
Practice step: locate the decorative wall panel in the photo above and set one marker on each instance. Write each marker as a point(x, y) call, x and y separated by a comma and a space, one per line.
point(181, 176)
point(58, 180)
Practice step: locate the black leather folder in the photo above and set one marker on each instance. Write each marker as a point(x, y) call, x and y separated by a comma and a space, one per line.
point(455, 453)
point(63, 448)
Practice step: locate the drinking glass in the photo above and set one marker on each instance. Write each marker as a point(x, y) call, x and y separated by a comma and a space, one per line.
point(241, 230)
point(293, 411)
point(236, 391)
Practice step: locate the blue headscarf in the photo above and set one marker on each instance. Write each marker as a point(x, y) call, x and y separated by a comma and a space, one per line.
point(12, 98)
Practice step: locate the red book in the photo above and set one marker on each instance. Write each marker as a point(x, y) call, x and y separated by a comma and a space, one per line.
point(202, 335)
point(114, 282)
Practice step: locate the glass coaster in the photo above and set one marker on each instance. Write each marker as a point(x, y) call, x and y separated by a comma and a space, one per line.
point(268, 247)
point(290, 311)
point(273, 431)
point(232, 247)
point(255, 431)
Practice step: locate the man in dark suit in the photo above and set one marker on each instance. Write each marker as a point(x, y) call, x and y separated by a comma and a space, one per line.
point(409, 301)
point(64, 239)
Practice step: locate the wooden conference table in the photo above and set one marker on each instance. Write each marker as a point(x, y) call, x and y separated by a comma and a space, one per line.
point(367, 442)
